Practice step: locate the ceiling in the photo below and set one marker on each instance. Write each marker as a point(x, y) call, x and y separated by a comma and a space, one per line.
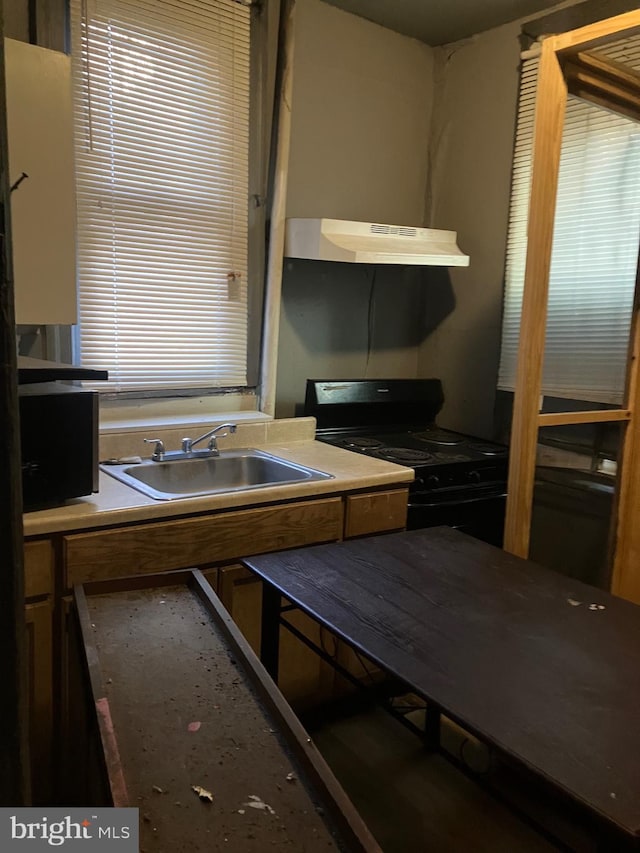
point(441, 21)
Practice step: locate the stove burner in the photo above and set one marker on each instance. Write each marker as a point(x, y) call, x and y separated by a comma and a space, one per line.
point(405, 455)
point(439, 436)
point(362, 443)
point(486, 449)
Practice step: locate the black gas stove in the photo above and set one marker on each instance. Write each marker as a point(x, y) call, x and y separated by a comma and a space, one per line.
point(460, 480)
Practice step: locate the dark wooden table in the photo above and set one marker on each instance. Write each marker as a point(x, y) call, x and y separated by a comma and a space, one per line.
point(539, 666)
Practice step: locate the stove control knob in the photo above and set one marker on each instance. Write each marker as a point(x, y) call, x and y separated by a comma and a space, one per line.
point(473, 476)
point(432, 482)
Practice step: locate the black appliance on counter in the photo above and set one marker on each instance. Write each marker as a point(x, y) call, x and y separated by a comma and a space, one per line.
point(460, 481)
point(58, 433)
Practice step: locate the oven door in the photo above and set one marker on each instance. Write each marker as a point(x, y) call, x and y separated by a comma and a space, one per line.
point(479, 513)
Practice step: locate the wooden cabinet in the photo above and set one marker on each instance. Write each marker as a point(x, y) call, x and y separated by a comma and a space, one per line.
point(38, 619)
point(212, 542)
point(38, 576)
point(375, 512)
point(196, 542)
point(38, 568)
point(304, 678)
point(43, 211)
point(241, 593)
point(213, 539)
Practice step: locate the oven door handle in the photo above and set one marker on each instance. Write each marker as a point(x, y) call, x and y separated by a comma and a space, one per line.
point(461, 502)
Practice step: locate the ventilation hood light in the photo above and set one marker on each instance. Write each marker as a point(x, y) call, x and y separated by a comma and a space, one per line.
point(371, 243)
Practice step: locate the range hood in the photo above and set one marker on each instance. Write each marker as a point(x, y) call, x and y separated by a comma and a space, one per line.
point(371, 243)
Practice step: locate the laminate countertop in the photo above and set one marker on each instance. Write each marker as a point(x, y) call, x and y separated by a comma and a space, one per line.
point(116, 503)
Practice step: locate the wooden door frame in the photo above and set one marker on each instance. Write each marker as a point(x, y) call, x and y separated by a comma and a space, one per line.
point(566, 67)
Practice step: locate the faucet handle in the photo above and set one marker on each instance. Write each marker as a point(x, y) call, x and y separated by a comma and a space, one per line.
point(213, 441)
point(158, 450)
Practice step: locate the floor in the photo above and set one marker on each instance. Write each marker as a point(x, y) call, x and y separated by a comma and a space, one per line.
point(413, 800)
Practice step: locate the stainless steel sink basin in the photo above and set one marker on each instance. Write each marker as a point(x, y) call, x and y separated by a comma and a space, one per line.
point(231, 471)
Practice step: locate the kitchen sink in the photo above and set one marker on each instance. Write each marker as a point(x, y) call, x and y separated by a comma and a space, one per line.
point(231, 471)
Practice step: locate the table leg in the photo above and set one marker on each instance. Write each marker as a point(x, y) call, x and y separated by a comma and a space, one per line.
point(270, 630)
point(432, 727)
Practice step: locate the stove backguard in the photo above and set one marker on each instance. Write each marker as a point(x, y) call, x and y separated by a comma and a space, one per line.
point(380, 402)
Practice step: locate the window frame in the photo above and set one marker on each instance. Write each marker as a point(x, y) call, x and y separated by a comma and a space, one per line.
point(61, 342)
point(595, 127)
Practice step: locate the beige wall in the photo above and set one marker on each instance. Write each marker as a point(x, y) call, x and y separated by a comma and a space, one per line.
point(360, 119)
point(447, 323)
point(361, 109)
point(471, 147)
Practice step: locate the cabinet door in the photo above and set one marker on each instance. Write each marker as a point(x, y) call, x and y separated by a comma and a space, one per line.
point(43, 209)
point(305, 679)
point(38, 568)
point(38, 619)
point(376, 512)
point(38, 587)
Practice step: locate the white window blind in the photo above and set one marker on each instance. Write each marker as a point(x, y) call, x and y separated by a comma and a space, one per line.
point(161, 91)
point(595, 245)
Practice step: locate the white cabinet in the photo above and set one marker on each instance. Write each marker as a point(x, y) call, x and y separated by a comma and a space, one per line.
point(43, 207)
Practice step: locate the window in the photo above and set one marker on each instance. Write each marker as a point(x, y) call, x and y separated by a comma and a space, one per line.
point(161, 99)
point(595, 246)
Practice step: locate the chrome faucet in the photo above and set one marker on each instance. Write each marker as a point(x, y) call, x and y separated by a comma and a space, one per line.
point(188, 444)
point(160, 454)
point(159, 451)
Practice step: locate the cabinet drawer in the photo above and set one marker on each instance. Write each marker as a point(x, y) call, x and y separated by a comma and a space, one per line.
point(376, 512)
point(193, 542)
point(38, 568)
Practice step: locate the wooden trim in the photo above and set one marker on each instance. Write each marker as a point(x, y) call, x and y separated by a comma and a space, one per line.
point(549, 122)
point(622, 75)
point(615, 87)
point(277, 214)
point(604, 82)
point(568, 18)
point(593, 35)
point(597, 417)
